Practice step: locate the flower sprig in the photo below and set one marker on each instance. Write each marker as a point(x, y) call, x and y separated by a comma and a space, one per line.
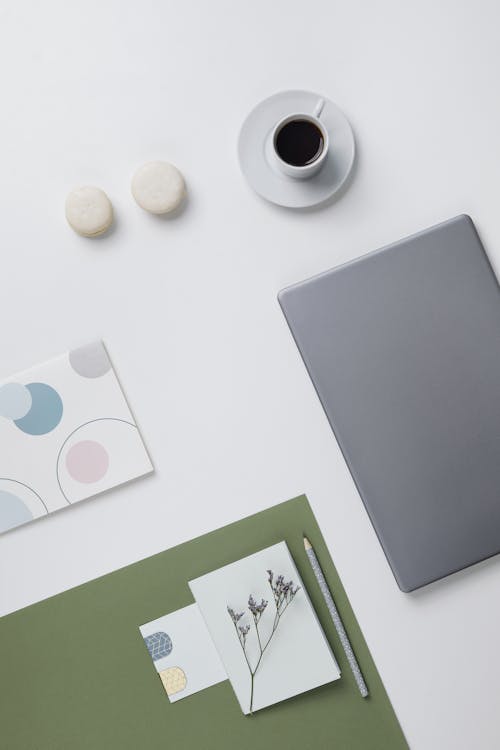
point(283, 594)
point(242, 630)
point(283, 591)
point(256, 609)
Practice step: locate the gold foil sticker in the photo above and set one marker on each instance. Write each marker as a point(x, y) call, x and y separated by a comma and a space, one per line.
point(173, 679)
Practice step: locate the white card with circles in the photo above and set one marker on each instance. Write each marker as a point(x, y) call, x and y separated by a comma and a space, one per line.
point(66, 434)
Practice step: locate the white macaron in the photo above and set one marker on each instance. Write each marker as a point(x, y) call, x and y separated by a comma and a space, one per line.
point(89, 211)
point(158, 187)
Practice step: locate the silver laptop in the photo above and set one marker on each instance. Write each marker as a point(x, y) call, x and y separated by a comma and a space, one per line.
point(403, 348)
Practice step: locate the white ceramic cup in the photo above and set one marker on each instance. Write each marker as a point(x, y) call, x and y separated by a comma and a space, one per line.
point(307, 170)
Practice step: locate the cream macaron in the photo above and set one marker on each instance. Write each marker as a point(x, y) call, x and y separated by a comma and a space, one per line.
point(158, 187)
point(89, 211)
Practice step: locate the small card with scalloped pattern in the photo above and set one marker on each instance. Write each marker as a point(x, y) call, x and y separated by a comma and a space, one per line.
point(183, 652)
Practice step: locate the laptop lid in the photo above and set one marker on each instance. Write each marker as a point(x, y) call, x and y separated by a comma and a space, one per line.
point(403, 348)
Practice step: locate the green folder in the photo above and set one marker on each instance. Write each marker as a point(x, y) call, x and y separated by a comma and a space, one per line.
point(75, 673)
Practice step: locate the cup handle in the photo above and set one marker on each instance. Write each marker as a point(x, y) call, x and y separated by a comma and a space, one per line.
point(318, 109)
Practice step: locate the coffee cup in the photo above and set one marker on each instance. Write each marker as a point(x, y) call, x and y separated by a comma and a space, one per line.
point(299, 143)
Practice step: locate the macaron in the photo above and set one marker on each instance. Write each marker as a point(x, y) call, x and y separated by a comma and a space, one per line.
point(158, 187)
point(89, 211)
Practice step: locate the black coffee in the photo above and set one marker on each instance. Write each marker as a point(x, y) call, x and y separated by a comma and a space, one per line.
point(299, 142)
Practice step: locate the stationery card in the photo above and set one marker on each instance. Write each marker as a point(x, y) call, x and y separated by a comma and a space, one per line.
point(66, 434)
point(183, 652)
point(265, 629)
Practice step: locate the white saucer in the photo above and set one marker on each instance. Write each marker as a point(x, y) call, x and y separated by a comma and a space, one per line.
point(254, 146)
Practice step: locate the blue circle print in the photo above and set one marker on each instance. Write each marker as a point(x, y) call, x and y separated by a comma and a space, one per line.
point(15, 400)
point(46, 410)
point(12, 511)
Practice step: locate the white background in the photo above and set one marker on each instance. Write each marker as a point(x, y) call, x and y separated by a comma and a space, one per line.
point(187, 307)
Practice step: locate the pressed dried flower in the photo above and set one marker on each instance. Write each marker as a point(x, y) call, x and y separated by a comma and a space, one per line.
point(283, 594)
point(235, 616)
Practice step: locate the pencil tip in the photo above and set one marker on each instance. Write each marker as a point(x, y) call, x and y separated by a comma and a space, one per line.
point(307, 543)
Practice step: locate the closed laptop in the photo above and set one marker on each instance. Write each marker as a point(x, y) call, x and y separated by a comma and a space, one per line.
point(403, 348)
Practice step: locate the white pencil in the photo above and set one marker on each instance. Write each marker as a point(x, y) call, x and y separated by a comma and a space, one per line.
point(339, 627)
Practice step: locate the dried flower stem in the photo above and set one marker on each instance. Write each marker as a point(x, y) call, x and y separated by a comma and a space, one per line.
point(283, 595)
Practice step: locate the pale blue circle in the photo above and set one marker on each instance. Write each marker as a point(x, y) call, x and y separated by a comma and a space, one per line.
point(46, 410)
point(15, 400)
point(12, 511)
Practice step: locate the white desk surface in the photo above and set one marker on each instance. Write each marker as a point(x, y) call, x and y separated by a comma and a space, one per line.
point(188, 307)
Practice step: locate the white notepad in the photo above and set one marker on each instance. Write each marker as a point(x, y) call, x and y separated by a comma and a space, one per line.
point(298, 657)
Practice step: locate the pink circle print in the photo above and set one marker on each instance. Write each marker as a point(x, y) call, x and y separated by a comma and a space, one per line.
point(87, 461)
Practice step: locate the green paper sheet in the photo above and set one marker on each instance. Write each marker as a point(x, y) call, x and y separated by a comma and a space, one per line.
point(75, 673)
